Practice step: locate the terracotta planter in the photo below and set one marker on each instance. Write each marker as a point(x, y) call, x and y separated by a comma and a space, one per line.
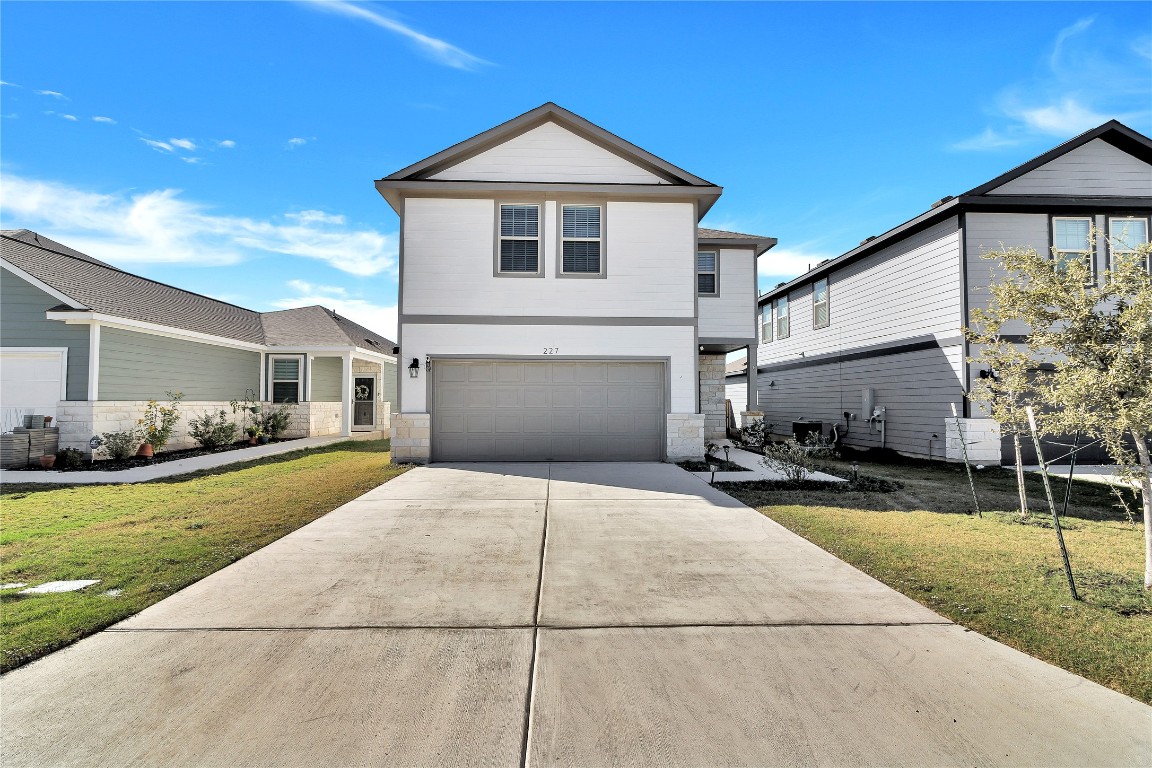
point(47, 460)
point(145, 450)
point(252, 441)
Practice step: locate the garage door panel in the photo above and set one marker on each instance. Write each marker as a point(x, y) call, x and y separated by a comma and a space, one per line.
point(550, 411)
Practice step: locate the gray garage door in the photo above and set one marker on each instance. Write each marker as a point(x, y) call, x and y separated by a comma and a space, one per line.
point(489, 410)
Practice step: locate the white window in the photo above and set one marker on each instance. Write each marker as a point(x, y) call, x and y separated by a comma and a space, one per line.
point(287, 378)
point(581, 240)
point(706, 273)
point(766, 323)
point(1071, 241)
point(782, 325)
point(519, 246)
point(1126, 234)
point(820, 316)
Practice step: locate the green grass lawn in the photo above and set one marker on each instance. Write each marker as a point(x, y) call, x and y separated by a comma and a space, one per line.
point(1000, 575)
point(151, 539)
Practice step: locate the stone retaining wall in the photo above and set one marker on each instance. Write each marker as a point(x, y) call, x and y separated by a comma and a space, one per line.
point(685, 436)
point(411, 438)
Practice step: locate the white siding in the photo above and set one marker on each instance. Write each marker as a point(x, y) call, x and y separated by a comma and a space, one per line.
point(449, 249)
point(910, 289)
point(736, 391)
point(529, 341)
point(1096, 168)
point(549, 153)
point(731, 313)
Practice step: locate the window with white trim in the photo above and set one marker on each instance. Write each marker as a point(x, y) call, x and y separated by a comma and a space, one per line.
point(287, 380)
point(1071, 241)
point(1126, 234)
point(706, 269)
point(766, 323)
point(519, 239)
point(783, 327)
point(581, 240)
point(820, 317)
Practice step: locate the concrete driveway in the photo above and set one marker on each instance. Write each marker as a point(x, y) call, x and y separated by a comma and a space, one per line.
point(552, 615)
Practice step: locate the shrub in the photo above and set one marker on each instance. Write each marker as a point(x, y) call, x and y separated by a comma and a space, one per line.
point(120, 445)
point(213, 430)
point(160, 420)
point(797, 461)
point(275, 421)
point(69, 458)
point(756, 433)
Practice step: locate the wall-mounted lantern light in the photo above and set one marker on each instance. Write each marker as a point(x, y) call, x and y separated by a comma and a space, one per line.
point(414, 368)
point(988, 373)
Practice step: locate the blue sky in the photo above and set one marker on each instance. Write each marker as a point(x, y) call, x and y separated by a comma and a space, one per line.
point(230, 148)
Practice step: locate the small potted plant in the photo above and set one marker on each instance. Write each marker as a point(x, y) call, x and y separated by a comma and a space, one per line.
point(48, 460)
point(254, 433)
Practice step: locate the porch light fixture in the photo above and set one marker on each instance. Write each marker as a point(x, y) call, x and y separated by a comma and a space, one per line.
point(414, 368)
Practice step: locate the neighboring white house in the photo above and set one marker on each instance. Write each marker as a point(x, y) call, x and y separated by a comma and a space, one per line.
point(871, 342)
point(557, 300)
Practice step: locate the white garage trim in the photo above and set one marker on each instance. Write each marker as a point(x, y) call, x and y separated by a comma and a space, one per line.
point(29, 352)
point(94, 361)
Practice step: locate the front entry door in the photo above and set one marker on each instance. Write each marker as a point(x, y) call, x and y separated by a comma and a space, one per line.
point(364, 398)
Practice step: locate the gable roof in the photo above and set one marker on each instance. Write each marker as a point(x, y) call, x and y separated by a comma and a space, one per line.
point(722, 237)
point(418, 174)
point(102, 288)
point(979, 199)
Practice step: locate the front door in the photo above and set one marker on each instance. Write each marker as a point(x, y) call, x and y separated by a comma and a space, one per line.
point(364, 401)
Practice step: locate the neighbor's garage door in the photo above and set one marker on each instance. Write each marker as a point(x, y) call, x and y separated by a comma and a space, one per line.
point(496, 410)
point(30, 382)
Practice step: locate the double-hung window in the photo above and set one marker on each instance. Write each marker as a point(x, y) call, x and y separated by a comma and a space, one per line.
point(820, 317)
point(519, 246)
point(582, 244)
point(1125, 235)
point(782, 325)
point(287, 378)
point(766, 323)
point(1072, 241)
point(706, 269)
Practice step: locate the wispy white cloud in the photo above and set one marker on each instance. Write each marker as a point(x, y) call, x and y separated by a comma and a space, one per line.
point(377, 317)
point(782, 264)
point(54, 95)
point(438, 50)
point(13, 85)
point(63, 116)
point(1085, 80)
point(187, 144)
point(160, 226)
point(102, 119)
point(226, 144)
point(159, 146)
point(193, 160)
point(297, 141)
point(315, 217)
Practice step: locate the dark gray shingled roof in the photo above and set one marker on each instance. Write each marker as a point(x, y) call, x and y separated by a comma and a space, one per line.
point(721, 234)
point(102, 288)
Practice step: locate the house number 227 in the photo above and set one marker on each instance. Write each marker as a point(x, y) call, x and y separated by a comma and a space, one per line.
point(551, 350)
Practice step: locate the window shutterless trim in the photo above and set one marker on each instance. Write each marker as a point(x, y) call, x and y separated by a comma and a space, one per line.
point(715, 292)
point(767, 320)
point(1089, 253)
point(827, 305)
point(783, 322)
point(499, 238)
point(1112, 234)
point(299, 380)
point(603, 239)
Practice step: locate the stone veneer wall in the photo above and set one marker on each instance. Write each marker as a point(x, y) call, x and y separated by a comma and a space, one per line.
point(712, 397)
point(685, 436)
point(981, 435)
point(411, 438)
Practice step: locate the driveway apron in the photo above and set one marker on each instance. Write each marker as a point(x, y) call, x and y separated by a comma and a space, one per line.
point(552, 615)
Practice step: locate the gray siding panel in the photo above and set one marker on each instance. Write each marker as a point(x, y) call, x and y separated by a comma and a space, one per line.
point(388, 373)
point(915, 387)
point(22, 324)
point(139, 366)
point(327, 374)
point(1097, 168)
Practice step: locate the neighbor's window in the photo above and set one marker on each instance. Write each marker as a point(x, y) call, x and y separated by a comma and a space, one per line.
point(1126, 234)
point(766, 323)
point(706, 272)
point(1071, 240)
point(581, 236)
point(782, 325)
point(820, 304)
point(287, 379)
point(520, 239)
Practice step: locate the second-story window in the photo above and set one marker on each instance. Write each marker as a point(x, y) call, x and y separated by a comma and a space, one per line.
point(1125, 235)
point(582, 244)
point(820, 317)
point(519, 239)
point(706, 273)
point(1071, 241)
point(783, 327)
point(766, 323)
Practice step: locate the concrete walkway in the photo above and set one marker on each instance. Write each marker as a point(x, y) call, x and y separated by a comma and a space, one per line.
point(552, 615)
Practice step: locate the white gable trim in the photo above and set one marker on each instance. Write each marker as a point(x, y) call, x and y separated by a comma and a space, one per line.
point(111, 321)
point(41, 285)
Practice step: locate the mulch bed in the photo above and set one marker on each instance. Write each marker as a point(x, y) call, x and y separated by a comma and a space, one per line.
point(113, 465)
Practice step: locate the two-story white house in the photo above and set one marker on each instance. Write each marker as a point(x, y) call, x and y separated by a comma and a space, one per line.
point(558, 302)
point(872, 342)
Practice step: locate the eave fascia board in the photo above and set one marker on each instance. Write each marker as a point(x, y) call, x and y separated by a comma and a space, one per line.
point(155, 329)
point(336, 351)
point(761, 244)
point(40, 284)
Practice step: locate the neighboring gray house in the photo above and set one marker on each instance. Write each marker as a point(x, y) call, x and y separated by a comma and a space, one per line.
point(89, 344)
point(871, 341)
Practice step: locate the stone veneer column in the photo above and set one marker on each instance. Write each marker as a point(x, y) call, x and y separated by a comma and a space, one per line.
point(981, 435)
point(411, 438)
point(712, 397)
point(685, 436)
